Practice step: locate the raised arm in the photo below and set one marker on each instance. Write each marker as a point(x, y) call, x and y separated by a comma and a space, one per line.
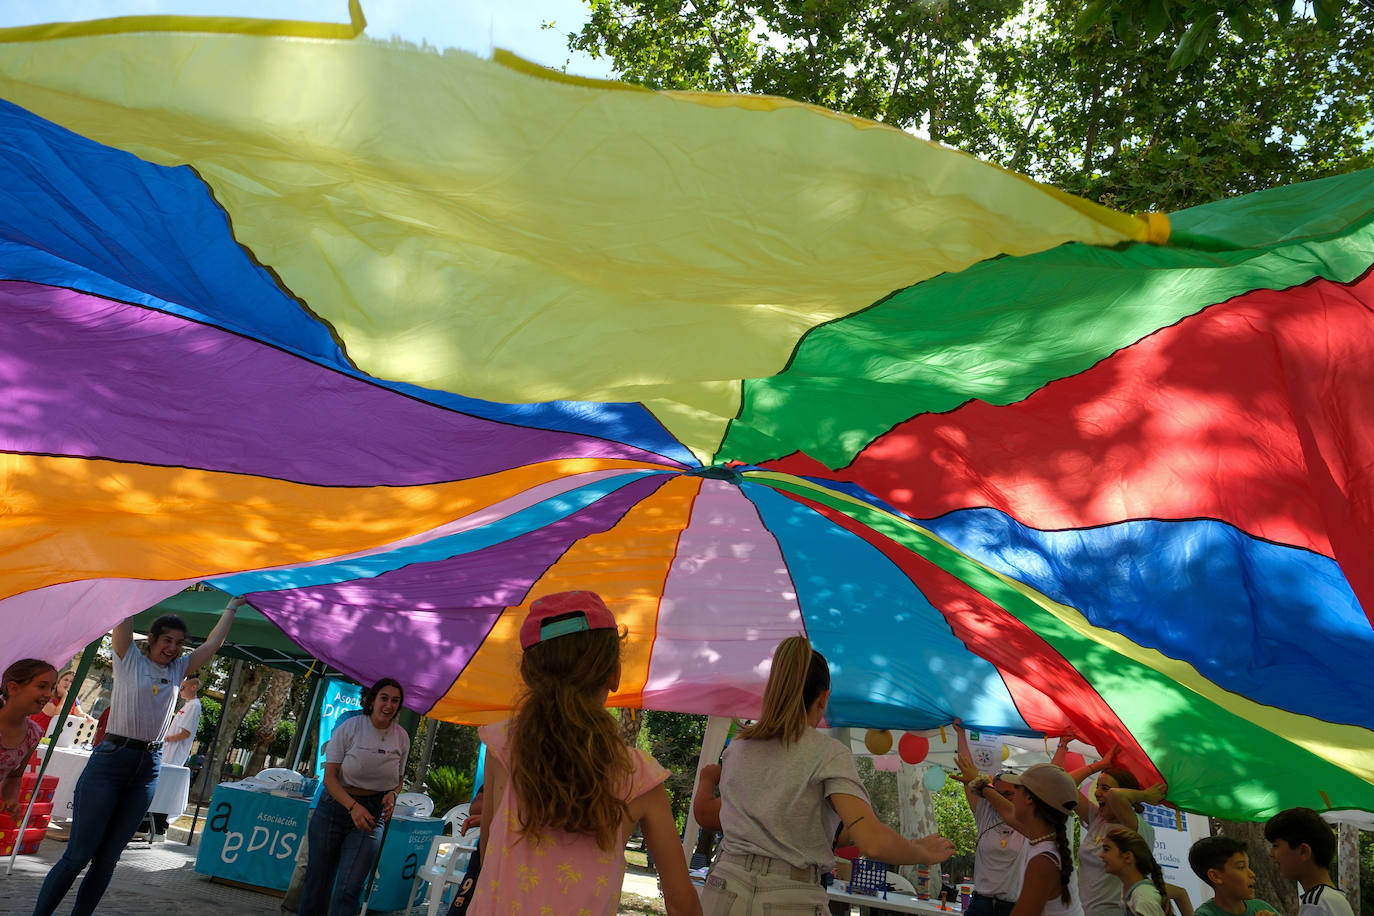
point(1087, 808)
point(967, 770)
point(122, 636)
point(876, 840)
point(206, 650)
point(1121, 802)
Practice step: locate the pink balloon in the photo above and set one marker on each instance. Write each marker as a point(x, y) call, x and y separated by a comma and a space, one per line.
point(1073, 761)
point(913, 748)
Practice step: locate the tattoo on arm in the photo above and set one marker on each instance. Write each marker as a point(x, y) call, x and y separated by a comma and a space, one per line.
point(851, 824)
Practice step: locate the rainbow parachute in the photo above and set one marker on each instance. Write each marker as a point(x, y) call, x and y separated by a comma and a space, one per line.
point(395, 342)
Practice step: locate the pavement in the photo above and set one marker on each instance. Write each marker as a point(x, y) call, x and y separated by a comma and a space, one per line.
point(162, 881)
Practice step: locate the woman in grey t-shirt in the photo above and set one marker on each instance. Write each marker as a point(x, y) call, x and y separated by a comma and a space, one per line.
point(784, 786)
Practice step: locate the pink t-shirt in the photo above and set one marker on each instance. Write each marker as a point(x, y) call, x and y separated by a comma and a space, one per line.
point(12, 759)
point(562, 874)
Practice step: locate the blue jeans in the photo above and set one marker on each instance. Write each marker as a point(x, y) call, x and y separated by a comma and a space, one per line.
point(112, 795)
point(339, 850)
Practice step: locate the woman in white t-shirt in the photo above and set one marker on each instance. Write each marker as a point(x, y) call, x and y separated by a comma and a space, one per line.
point(1116, 800)
point(115, 789)
point(364, 762)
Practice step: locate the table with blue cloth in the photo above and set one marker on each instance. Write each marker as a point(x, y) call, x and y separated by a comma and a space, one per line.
point(404, 851)
point(251, 837)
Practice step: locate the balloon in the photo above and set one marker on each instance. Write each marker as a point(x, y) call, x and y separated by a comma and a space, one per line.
point(1073, 761)
point(935, 779)
point(878, 741)
point(1006, 752)
point(913, 748)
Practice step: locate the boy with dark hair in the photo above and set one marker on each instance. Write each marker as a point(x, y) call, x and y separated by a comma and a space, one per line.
point(1224, 864)
point(1303, 845)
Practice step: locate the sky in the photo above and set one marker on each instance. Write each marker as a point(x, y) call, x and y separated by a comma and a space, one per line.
point(472, 25)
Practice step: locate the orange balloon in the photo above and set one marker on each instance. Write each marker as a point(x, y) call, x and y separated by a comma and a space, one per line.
point(913, 748)
point(878, 741)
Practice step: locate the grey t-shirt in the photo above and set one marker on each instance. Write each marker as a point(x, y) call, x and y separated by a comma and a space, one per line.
point(774, 798)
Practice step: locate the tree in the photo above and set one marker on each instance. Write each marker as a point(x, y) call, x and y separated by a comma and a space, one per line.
point(278, 691)
point(1023, 84)
point(245, 686)
point(675, 741)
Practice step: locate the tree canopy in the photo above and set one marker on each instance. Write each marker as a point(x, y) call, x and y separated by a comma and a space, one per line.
point(1096, 103)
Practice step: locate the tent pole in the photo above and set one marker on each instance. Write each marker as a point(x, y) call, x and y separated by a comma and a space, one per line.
point(312, 706)
point(204, 776)
point(82, 667)
point(712, 744)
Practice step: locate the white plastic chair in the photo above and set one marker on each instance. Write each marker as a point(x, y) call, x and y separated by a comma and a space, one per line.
point(273, 777)
point(454, 817)
point(445, 865)
point(899, 884)
point(421, 803)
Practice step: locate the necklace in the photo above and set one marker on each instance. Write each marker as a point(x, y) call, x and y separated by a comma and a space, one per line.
point(1040, 839)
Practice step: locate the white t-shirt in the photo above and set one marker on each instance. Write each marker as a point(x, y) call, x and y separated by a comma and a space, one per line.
point(369, 758)
point(774, 797)
point(176, 753)
point(1099, 892)
point(1055, 906)
point(144, 694)
point(997, 862)
point(1323, 900)
point(1142, 899)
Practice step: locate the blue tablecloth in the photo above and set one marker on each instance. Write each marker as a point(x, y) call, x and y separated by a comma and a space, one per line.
point(406, 847)
point(252, 837)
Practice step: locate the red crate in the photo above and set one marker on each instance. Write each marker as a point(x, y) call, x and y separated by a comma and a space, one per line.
point(39, 817)
point(46, 790)
point(33, 838)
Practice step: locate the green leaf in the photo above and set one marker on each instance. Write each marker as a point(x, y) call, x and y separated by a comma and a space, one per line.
point(1284, 10)
point(1156, 20)
point(1328, 14)
point(1194, 42)
point(1244, 24)
point(1090, 17)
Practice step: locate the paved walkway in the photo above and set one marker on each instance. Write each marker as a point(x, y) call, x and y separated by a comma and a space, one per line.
point(162, 881)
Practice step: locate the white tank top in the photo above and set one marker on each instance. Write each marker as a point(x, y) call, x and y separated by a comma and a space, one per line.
point(1055, 906)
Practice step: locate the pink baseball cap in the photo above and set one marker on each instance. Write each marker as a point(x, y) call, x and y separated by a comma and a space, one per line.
point(562, 613)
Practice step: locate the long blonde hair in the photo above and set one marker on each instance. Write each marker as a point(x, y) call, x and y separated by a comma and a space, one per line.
point(567, 758)
point(799, 675)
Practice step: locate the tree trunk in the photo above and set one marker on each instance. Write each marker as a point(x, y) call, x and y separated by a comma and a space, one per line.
point(427, 751)
point(278, 692)
point(1348, 863)
point(916, 815)
point(631, 721)
point(1270, 886)
point(246, 683)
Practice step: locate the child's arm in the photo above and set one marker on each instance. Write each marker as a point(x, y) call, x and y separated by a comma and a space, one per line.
point(706, 806)
point(1179, 897)
point(655, 817)
point(1121, 802)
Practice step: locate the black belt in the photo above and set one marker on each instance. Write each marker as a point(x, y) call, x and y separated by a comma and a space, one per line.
point(150, 747)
